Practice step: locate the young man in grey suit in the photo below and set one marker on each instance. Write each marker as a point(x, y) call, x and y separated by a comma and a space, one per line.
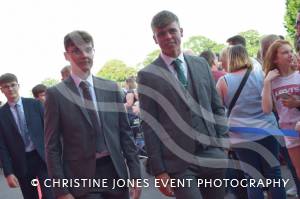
point(22, 140)
point(87, 131)
point(183, 119)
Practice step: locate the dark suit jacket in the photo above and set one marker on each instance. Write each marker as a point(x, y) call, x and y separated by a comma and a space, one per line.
point(12, 149)
point(166, 113)
point(69, 138)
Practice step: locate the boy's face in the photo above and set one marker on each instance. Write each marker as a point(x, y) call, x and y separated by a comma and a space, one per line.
point(169, 39)
point(80, 57)
point(42, 97)
point(10, 90)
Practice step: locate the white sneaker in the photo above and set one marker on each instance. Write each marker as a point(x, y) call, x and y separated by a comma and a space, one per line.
point(292, 191)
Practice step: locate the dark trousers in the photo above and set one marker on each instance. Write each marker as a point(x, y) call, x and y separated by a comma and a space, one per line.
point(195, 190)
point(106, 170)
point(258, 161)
point(36, 168)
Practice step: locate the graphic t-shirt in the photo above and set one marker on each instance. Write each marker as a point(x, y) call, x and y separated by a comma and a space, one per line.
point(288, 117)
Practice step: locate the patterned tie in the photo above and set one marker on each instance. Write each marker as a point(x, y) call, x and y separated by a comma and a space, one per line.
point(180, 73)
point(90, 107)
point(22, 125)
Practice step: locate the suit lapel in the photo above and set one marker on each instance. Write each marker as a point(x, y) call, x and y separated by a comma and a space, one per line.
point(197, 86)
point(73, 93)
point(195, 78)
point(193, 74)
point(166, 74)
point(99, 99)
point(10, 116)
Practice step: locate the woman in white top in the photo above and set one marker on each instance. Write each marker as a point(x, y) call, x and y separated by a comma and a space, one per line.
point(247, 112)
point(281, 86)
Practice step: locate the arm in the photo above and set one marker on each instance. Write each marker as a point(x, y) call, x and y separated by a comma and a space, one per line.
point(53, 147)
point(267, 103)
point(129, 100)
point(6, 163)
point(4, 154)
point(149, 112)
point(222, 88)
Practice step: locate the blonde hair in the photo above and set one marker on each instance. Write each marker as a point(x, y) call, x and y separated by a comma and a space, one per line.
point(269, 61)
point(238, 58)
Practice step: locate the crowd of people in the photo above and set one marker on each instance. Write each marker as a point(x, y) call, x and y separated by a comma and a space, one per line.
point(208, 116)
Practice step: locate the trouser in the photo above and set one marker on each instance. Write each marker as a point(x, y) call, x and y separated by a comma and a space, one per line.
point(36, 168)
point(258, 160)
point(197, 190)
point(106, 170)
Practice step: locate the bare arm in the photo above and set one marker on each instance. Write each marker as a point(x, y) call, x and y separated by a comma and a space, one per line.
point(222, 88)
point(129, 100)
point(267, 103)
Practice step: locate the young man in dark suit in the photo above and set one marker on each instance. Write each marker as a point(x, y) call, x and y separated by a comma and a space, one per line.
point(182, 116)
point(87, 130)
point(22, 140)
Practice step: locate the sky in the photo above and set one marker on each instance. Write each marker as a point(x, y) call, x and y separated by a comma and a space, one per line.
point(32, 31)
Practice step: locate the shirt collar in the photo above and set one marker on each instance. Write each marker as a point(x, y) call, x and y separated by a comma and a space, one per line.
point(168, 60)
point(77, 80)
point(13, 104)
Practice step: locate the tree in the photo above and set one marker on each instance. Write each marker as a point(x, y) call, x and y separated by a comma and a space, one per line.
point(50, 82)
point(150, 57)
point(292, 7)
point(116, 70)
point(200, 43)
point(252, 41)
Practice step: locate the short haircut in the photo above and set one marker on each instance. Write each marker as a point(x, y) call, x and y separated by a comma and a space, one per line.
point(266, 42)
point(7, 78)
point(40, 88)
point(209, 56)
point(76, 38)
point(66, 68)
point(163, 18)
point(130, 79)
point(237, 40)
point(238, 58)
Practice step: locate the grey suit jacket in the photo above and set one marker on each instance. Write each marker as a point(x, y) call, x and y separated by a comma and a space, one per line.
point(70, 143)
point(166, 113)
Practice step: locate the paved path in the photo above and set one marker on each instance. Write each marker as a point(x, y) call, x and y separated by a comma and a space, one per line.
point(147, 193)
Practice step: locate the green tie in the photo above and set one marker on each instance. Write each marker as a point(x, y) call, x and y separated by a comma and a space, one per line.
point(180, 74)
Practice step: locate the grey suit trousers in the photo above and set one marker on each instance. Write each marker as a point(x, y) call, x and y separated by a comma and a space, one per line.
point(106, 170)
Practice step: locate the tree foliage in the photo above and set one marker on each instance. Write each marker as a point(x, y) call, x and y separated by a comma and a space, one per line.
point(150, 57)
point(252, 41)
point(116, 70)
point(292, 7)
point(200, 43)
point(50, 82)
